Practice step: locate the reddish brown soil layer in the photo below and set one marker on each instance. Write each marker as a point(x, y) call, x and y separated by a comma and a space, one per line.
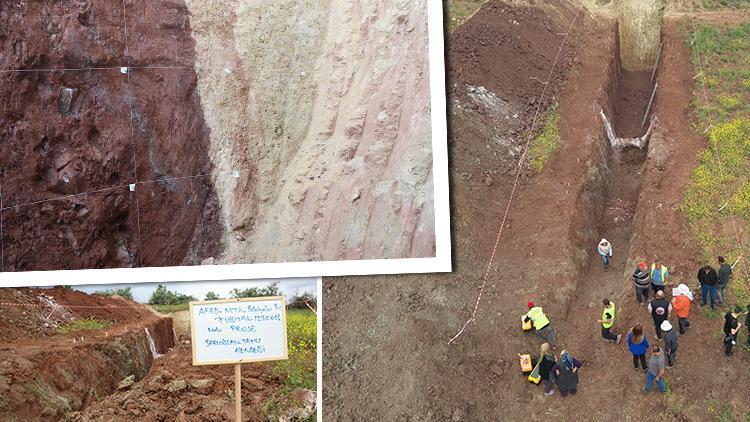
point(44, 378)
point(150, 400)
point(630, 103)
point(22, 309)
point(385, 351)
point(68, 132)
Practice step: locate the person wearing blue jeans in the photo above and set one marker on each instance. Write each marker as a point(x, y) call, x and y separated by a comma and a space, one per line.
point(708, 278)
point(655, 371)
point(605, 251)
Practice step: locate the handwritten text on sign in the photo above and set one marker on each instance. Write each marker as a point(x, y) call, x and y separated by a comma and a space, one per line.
point(241, 330)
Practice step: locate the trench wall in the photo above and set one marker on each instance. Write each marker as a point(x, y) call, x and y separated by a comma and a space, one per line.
point(50, 382)
point(591, 197)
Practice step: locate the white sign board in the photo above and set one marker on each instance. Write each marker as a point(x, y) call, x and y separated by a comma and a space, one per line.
point(238, 330)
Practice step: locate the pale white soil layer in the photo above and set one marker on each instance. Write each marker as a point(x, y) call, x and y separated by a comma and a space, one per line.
point(324, 107)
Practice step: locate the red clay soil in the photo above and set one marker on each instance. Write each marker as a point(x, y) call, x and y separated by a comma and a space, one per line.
point(25, 313)
point(631, 101)
point(69, 132)
point(205, 396)
point(386, 355)
point(44, 374)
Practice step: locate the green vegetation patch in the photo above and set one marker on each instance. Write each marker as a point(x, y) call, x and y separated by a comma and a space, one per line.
point(459, 11)
point(725, 4)
point(717, 199)
point(87, 324)
point(721, 58)
point(170, 309)
point(127, 293)
point(546, 143)
point(300, 370)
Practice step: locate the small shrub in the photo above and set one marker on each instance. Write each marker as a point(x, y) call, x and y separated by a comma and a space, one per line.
point(729, 102)
point(126, 293)
point(162, 296)
point(212, 296)
point(270, 290)
point(711, 83)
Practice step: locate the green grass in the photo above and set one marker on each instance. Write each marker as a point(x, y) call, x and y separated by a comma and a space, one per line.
point(546, 143)
point(717, 197)
point(168, 309)
point(459, 11)
point(301, 368)
point(88, 324)
point(725, 4)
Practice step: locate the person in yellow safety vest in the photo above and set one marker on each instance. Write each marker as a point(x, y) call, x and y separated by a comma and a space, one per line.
point(541, 323)
point(659, 275)
point(608, 320)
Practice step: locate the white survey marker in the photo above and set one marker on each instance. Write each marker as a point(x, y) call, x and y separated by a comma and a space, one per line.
point(238, 330)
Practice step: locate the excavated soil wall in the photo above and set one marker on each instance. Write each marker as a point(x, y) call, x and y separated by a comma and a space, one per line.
point(47, 380)
point(640, 32)
point(90, 133)
point(328, 121)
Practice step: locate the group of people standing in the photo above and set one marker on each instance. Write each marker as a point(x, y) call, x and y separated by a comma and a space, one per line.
point(564, 372)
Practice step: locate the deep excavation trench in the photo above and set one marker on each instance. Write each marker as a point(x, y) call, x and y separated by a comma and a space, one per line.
point(614, 188)
point(48, 382)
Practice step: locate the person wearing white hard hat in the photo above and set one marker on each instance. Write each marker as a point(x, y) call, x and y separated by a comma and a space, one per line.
point(605, 250)
point(682, 296)
point(670, 343)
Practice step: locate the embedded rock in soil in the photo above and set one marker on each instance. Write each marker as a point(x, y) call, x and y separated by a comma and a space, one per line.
point(69, 132)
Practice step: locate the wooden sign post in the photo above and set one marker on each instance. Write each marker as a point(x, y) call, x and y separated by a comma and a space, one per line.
point(235, 331)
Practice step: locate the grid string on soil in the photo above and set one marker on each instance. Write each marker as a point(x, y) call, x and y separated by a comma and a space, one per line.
point(111, 188)
point(32, 305)
point(717, 155)
point(132, 136)
point(516, 180)
point(85, 69)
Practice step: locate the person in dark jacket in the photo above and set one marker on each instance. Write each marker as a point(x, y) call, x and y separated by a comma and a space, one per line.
point(566, 373)
point(642, 281)
point(708, 278)
point(725, 273)
point(670, 343)
point(747, 325)
point(638, 346)
point(548, 361)
point(660, 309)
point(731, 330)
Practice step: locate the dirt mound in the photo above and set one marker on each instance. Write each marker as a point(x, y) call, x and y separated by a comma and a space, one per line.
point(175, 390)
point(498, 63)
point(509, 50)
point(40, 312)
point(71, 132)
point(45, 374)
